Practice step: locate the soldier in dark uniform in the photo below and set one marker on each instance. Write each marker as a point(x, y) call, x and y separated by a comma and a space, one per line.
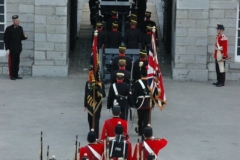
point(102, 36)
point(120, 93)
point(93, 11)
point(92, 104)
point(13, 37)
point(138, 64)
point(132, 36)
point(142, 101)
point(113, 19)
point(128, 21)
point(122, 51)
point(114, 37)
point(142, 6)
point(146, 38)
point(147, 22)
point(127, 74)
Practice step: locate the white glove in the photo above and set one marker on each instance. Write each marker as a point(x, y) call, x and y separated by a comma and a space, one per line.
point(219, 49)
point(26, 35)
point(7, 52)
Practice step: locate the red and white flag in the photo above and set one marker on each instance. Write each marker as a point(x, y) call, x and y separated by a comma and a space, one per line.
point(155, 81)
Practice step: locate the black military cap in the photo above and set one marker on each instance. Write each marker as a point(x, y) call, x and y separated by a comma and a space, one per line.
point(120, 75)
point(122, 47)
point(114, 12)
point(15, 17)
point(148, 132)
point(119, 128)
point(148, 14)
point(99, 24)
point(143, 52)
point(91, 138)
point(116, 110)
point(133, 22)
point(220, 27)
point(115, 24)
point(149, 27)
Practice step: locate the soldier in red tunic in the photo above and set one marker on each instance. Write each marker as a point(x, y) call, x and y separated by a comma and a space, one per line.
point(94, 149)
point(150, 145)
point(121, 138)
point(110, 124)
point(220, 55)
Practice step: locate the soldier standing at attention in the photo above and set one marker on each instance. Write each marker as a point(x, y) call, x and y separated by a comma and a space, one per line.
point(122, 69)
point(13, 37)
point(114, 37)
point(102, 36)
point(122, 51)
point(220, 55)
point(138, 66)
point(146, 38)
point(147, 22)
point(132, 36)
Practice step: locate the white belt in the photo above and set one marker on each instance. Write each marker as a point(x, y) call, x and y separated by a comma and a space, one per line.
point(111, 138)
point(147, 96)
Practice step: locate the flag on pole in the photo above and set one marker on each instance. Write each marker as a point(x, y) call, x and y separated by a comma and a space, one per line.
point(95, 54)
point(155, 81)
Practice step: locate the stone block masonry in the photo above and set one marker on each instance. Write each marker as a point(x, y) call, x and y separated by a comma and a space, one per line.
point(51, 24)
point(195, 33)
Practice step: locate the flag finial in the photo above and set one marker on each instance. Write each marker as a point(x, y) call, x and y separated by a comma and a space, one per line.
point(95, 33)
point(153, 29)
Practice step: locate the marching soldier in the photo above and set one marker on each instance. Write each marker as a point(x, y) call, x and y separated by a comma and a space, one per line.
point(146, 39)
point(93, 104)
point(127, 74)
point(150, 145)
point(119, 137)
point(122, 51)
point(94, 149)
point(102, 36)
point(110, 124)
point(220, 55)
point(137, 66)
point(13, 37)
point(114, 37)
point(120, 92)
point(142, 101)
point(132, 36)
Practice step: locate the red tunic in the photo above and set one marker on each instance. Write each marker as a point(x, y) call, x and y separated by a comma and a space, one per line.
point(222, 45)
point(156, 145)
point(110, 124)
point(98, 147)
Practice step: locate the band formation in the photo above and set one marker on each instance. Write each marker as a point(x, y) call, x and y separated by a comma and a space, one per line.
point(129, 89)
point(135, 86)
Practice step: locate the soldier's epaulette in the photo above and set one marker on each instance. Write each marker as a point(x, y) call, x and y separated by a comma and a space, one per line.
point(224, 38)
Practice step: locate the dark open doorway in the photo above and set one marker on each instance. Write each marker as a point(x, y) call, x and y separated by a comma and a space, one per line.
point(73, 23)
